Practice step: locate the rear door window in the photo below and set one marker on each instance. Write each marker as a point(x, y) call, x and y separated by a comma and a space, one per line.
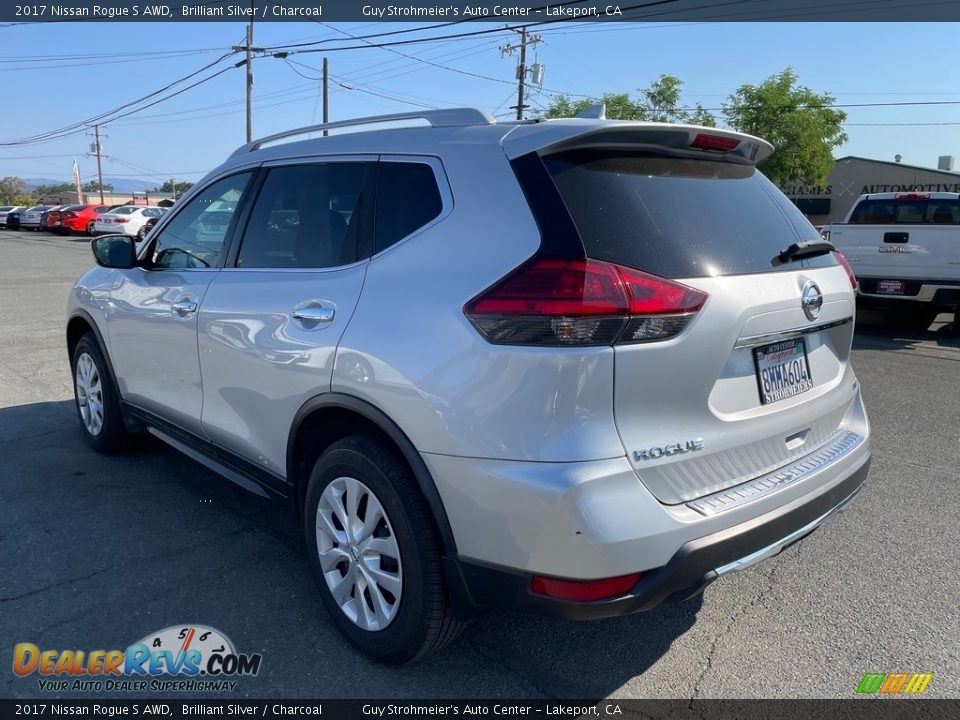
point(907, 212)
point(678, 217)
point(307, 216)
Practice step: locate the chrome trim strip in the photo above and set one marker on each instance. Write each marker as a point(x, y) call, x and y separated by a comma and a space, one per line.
point(753, 490)
point(755, 340)
point(771, 550)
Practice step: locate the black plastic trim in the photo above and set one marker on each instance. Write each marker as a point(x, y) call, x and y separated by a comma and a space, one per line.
point(393, 431)
point(276, 485)
point(687, 573)
point(559, 236)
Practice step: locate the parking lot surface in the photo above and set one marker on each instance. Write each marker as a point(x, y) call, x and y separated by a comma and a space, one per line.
point(97, 552)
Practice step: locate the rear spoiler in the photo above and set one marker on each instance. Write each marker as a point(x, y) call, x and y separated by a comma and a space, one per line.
point(554, 136)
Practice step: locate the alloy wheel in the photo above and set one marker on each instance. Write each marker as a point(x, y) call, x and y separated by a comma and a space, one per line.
point(89, 394)
point(359, 555)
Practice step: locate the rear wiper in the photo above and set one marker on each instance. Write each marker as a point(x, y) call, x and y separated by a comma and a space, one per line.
point(803, 250)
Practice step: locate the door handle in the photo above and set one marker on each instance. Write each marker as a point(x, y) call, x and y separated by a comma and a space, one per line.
point(314, 314)
point(184, 307)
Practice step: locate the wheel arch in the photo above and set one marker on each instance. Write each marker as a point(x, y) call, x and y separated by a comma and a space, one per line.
point(332, 416)
point(79, 324)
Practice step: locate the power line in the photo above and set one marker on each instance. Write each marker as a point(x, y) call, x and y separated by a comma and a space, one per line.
point(112, 114)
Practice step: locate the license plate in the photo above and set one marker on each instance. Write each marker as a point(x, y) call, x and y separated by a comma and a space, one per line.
point(782, 370)
point(891, 287)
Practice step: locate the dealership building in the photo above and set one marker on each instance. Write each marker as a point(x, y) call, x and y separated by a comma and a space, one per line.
point(855, 176)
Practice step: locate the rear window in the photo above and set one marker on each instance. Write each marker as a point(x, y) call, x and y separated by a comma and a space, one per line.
point(74, 208)
point(679, 217)
point(125, 210)
point(906, 211)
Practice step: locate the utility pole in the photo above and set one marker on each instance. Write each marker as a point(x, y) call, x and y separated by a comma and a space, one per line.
point(98, 150)
point(250, 77)
point(326, 97)
point(536, 71)
point(522, 72)
point(250, 49)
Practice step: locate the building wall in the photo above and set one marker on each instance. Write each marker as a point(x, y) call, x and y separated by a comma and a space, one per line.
point(852, 177)
point(109, 198)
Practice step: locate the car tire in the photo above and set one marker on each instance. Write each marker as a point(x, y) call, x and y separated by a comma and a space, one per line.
point(90, 230)
point(371, 480)
point(140, 235)
point(96, 398)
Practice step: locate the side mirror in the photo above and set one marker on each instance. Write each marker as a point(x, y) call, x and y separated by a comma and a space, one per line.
point(115, 251)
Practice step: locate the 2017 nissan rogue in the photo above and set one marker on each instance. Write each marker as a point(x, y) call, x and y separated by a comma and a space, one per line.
point(577, 367)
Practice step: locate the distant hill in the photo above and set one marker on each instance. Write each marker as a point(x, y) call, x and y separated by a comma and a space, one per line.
point(120, 185)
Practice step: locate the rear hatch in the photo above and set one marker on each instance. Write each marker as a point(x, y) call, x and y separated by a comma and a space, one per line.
point(753, 381)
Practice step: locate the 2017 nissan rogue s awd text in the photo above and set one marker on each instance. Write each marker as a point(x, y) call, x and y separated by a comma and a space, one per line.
point(577, 367)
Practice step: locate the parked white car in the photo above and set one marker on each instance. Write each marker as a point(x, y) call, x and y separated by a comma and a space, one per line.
point(30, 219)
point(126, 220)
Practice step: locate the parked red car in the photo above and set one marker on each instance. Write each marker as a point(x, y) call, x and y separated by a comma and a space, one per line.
point(51, 221)
point(80, 218)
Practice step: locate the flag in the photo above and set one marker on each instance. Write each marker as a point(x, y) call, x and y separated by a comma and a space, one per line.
point(76, 181)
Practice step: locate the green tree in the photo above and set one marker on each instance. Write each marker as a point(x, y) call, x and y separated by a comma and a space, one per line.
point(56, 189)
point(181, 187)
point(619, 106)
point(12, 190)
point(93, 186)
point(658, 102)
point(799, 123)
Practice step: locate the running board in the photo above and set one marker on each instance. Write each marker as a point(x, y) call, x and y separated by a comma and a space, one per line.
point(210, 463)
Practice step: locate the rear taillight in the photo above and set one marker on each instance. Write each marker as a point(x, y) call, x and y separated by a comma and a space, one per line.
point(121, 219)
point(556, 301)
point(584, 590)
point(846, 266)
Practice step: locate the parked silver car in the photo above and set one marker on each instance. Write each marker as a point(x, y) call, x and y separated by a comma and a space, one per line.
point(578, 367)
point(30, 218)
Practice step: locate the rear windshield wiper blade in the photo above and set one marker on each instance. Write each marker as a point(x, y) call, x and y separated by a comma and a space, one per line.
point(804, 250)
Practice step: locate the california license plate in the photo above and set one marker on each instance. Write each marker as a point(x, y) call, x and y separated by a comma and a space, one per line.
point(891, 287)
point(782, 370)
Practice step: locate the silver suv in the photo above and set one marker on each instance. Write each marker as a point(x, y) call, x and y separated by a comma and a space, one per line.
point(578, 367)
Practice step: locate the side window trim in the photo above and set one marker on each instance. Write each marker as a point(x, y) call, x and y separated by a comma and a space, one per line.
point(443, 186)
point(228, 240)
point(364, 238)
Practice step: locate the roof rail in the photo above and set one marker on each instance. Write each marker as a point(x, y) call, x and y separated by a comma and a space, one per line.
point(452, 117)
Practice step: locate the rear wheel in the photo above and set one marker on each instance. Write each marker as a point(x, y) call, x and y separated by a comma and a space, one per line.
point(97, 400)
point(375, 553)
point(90, 227)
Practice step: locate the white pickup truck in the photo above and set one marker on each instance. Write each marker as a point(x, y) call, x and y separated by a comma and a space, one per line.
point(905, 252)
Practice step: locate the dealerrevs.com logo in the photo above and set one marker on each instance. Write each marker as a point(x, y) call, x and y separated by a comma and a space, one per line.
point(187, 658)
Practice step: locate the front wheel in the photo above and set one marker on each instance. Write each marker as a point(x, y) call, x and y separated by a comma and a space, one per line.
point(97, 400)
point(375, 553)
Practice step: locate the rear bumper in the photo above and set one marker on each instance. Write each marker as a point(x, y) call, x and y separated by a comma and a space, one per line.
point(695, 564)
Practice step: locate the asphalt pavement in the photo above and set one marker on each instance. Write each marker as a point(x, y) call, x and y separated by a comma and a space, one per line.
point(97, 552)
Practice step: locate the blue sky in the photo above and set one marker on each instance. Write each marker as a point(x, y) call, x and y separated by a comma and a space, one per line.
point(188, 135)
